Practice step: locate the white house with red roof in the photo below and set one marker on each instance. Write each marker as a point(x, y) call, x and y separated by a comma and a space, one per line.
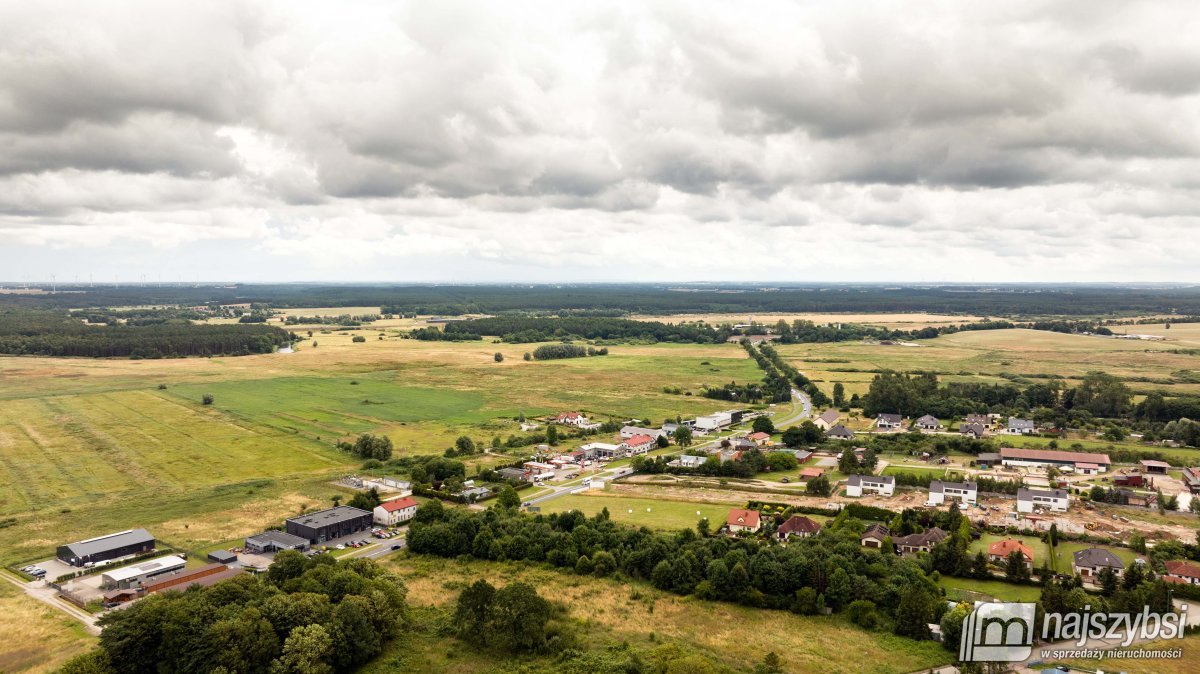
point(743, 520)
point(760, 438)
point(1182, 572)
point(391, 513)
point(639, 444)
point(572, 419)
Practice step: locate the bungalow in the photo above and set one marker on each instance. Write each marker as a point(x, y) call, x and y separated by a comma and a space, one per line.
point(760, 439)
point(689, 461)
point(811, 473)
point(883, 485)
point(639, 444)
point(927, 422)
point(999, 551)
point(827, 419)
point(965, 492)
point(987, 460)
point(1191, 477)
point(799, 526)
point(1150, 466)
point(1182, 572)
point(1089, 562)
point(922, 542)
point(1051, 499)
point(975, 431)
point(840, 432)
point(743, 520)
point(874, 535)
point(1020, 426)
point(391, 513)
point(889, 422)
point(630, 431)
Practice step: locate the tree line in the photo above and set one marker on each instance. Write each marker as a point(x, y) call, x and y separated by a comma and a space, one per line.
point(25, 333)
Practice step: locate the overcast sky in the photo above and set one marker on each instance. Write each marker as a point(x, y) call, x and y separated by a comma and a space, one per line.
point(576, 141)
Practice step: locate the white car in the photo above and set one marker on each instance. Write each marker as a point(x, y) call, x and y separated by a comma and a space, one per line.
point(340, 547)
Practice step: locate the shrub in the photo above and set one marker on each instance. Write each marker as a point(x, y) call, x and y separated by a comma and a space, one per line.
point(206, 399)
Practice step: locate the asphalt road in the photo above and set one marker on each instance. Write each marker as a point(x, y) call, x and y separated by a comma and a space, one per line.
point(801, 410)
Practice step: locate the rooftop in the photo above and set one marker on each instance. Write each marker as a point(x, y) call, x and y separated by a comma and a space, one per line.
point(108, 542)
point(743, 518)
point(1008, 546)
point(1054, 455)
point(280, 537)
point(1093, 557)
point(399, 504)
point(330, 516)
point(152, 566)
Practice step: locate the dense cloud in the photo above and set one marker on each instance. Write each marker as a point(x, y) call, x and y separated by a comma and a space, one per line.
point(601, 141)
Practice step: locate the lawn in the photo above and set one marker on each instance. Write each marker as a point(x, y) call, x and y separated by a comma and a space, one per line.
point(35, 637)
point(1064, 554)
point(652, 513)
point(1190, 646)
point(920, 471)
point(996, 589)
point(615, 612)
point(1041, 552)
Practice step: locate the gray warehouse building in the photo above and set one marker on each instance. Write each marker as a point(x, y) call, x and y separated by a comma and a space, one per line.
point(102, 548)
point(326, 525)
point(274, 541)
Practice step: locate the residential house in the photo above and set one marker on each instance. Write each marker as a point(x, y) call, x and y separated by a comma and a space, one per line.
point(827, 419)
point(639, 444)
point(1089, 561)
point(1020, 426)
point(840, 432)
point(572, 419)
point(740, 520)
point(889, 422)
point(987, 460)
point(999, 551)
point(975, 431)
point(1152, 467)
point(391, 513)
point(760, 439)
point(882, 485)
point(927, 422)
point(1182, 572)
point(965, 493)
point(689, 461)
point(874, 535)
point(1056, 500)
point(799, 526)
point(980, 420)
point(922, 542)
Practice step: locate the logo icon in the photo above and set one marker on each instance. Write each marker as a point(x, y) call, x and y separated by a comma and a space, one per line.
point(998, 632)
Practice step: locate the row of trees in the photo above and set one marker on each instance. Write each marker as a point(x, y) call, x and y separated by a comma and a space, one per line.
point(526, 329)
point(312, 615)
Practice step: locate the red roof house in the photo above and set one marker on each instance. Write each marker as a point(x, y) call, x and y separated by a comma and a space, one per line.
point(743, 520)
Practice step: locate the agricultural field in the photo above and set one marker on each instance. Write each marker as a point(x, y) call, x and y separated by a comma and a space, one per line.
point(985, 355)
point(651, 513)
point(612, 612)
point(899, 321)
point(34, 637)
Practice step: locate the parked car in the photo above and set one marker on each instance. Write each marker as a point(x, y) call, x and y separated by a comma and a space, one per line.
point(340, 546)
point(397, 546)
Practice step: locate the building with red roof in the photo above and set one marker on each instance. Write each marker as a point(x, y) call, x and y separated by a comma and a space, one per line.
point(743, 520)
point(799, 526)
point(391, 513)
point(1182, 572)
point(999, 551)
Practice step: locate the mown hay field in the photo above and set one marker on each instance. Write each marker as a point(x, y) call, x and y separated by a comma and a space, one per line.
point(34, 637)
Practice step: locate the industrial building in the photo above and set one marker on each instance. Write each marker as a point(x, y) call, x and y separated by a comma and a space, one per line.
point(274, 541)
point(104, 548)
point(329, 524)
point(1043, 458)
point(135, 575)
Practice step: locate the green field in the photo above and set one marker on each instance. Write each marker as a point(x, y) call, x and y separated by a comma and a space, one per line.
point(920, 471)
point(652, 513)
point(962, 589)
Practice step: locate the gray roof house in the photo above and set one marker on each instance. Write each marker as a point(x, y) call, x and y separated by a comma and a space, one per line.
point(886, 420)
point(840, 431)
point(1090, 561)
point(927, 422)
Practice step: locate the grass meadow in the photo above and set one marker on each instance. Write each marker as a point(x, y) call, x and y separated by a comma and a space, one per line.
point(611, 612)
point(34, 637)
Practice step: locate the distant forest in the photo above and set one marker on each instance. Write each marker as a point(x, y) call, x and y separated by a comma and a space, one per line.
point(615, 300)
point(45, 333)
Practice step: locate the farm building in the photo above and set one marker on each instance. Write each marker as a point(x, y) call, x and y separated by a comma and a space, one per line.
point(1042, 458)
point(811, 473)
point(328, 524)
point(840, 432)
point(135, 575)
point(743, 520)
point(798, 526)
point(965, 492)
point(391, 513)
point(1152, 467)
point(922, 542)
point(889, 422)
point(103, 548)
point(1090, 561)
point(1129, 480)
point(883, 485)
point(1191, 477)
point(874, 535)
point(272, 540)
point(1051, 499)
point(827, 419)
point(1182, 572)
point(999, 551)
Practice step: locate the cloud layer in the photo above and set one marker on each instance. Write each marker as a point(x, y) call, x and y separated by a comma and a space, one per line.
point(600, 141)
